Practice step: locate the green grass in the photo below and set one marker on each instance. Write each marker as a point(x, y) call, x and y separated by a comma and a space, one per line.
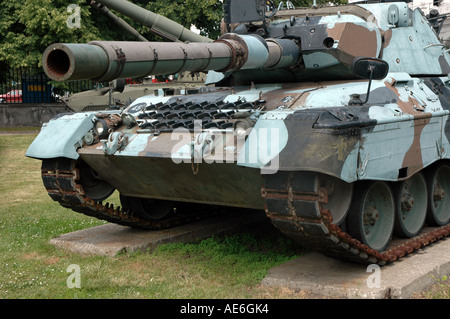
point(20, 129)
point(219, 267)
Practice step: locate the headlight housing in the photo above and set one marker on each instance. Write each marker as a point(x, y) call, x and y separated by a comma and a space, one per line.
point(242, 127)
point(101, 128)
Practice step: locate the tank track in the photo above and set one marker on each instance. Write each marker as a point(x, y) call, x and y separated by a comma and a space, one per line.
point(298, 213)
point(60, 177)
point(308, 223)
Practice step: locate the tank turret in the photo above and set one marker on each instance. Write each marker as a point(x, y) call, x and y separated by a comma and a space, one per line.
point(331, 120)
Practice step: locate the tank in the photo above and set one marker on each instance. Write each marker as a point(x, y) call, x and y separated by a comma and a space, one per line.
point(332, 120)
point(122, 93)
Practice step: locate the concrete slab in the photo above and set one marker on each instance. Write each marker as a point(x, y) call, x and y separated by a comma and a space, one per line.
point(112, 239)
point(332, 278)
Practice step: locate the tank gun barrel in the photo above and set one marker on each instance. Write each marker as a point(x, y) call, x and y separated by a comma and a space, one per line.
point(109, 60)
point(160, 25)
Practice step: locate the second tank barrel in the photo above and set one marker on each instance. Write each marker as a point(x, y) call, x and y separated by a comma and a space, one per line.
point(108, 60)
point(158, 24)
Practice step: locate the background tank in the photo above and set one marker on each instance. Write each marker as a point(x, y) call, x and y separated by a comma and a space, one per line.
point(121, 93)
point(355, 169)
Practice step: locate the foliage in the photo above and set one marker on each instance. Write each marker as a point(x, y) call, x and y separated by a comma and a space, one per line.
point(29, 26)
point(204, 14)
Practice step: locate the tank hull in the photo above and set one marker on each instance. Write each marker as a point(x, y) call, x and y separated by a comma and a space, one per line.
point(334, 140)
point(161, 178)
point(306, 160)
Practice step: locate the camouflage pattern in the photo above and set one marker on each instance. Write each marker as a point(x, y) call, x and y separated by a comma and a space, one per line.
point(306, 118)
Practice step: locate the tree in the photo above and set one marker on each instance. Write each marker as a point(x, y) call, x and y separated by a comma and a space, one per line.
point(29, 26)
point(203, 14)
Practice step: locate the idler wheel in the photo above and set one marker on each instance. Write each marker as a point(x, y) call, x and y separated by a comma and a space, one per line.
point(438, 181)
point(149, 209)
point(93, 185)
point(372, 214)
point(411, 206)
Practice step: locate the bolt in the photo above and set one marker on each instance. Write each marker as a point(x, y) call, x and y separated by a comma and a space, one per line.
point(438, 193)
point(370, 216)
point(407, 201)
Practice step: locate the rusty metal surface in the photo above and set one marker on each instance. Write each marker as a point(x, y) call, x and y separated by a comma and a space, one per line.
point(315, 228)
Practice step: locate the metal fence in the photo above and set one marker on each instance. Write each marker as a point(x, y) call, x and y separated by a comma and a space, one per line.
point(24, 86)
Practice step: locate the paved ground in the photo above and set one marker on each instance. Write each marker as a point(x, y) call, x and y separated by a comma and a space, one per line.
point(331, 278)
point(112, 239)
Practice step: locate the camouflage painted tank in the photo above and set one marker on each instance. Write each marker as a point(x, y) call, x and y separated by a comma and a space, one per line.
point(333, 120)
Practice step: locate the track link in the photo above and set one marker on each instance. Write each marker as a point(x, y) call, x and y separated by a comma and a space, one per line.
point(61, 176)
point(298, 213)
